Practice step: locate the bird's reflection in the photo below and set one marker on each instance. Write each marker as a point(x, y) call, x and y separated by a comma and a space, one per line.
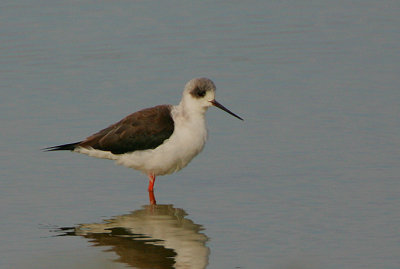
point(156, 236)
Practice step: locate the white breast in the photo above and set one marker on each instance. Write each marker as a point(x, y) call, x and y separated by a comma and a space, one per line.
point(185, 143)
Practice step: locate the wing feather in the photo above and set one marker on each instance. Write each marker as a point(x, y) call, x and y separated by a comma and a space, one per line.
point(145, 129)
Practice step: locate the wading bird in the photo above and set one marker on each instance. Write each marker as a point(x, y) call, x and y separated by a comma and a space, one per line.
point(159, 140)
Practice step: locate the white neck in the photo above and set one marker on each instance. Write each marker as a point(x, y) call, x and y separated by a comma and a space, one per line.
point(191, 111)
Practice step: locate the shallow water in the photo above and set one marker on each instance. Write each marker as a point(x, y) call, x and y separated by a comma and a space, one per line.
point(310, 179)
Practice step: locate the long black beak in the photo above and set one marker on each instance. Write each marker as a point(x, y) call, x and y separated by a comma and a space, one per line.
point(215, 103)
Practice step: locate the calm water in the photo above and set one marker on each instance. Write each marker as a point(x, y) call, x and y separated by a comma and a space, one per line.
point(310, 179)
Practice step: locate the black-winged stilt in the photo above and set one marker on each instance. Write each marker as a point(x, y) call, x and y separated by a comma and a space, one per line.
point(159, 140)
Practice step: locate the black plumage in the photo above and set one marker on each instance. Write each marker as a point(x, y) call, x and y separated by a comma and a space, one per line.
point(145, 129)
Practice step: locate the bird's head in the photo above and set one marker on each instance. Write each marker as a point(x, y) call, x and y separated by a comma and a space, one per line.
point(199, 94)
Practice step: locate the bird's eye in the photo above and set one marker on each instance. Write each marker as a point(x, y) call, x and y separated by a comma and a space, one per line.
point(200, 93)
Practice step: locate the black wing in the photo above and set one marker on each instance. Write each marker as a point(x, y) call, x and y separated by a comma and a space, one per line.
point(145, 129)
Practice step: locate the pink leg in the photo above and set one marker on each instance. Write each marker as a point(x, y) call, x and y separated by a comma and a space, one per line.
point(152, 199)
point(152, 179)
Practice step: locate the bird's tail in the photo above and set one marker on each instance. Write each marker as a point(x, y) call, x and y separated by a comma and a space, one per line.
point(70, 146)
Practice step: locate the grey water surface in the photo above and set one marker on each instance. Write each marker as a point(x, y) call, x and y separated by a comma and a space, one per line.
point(310, 179)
